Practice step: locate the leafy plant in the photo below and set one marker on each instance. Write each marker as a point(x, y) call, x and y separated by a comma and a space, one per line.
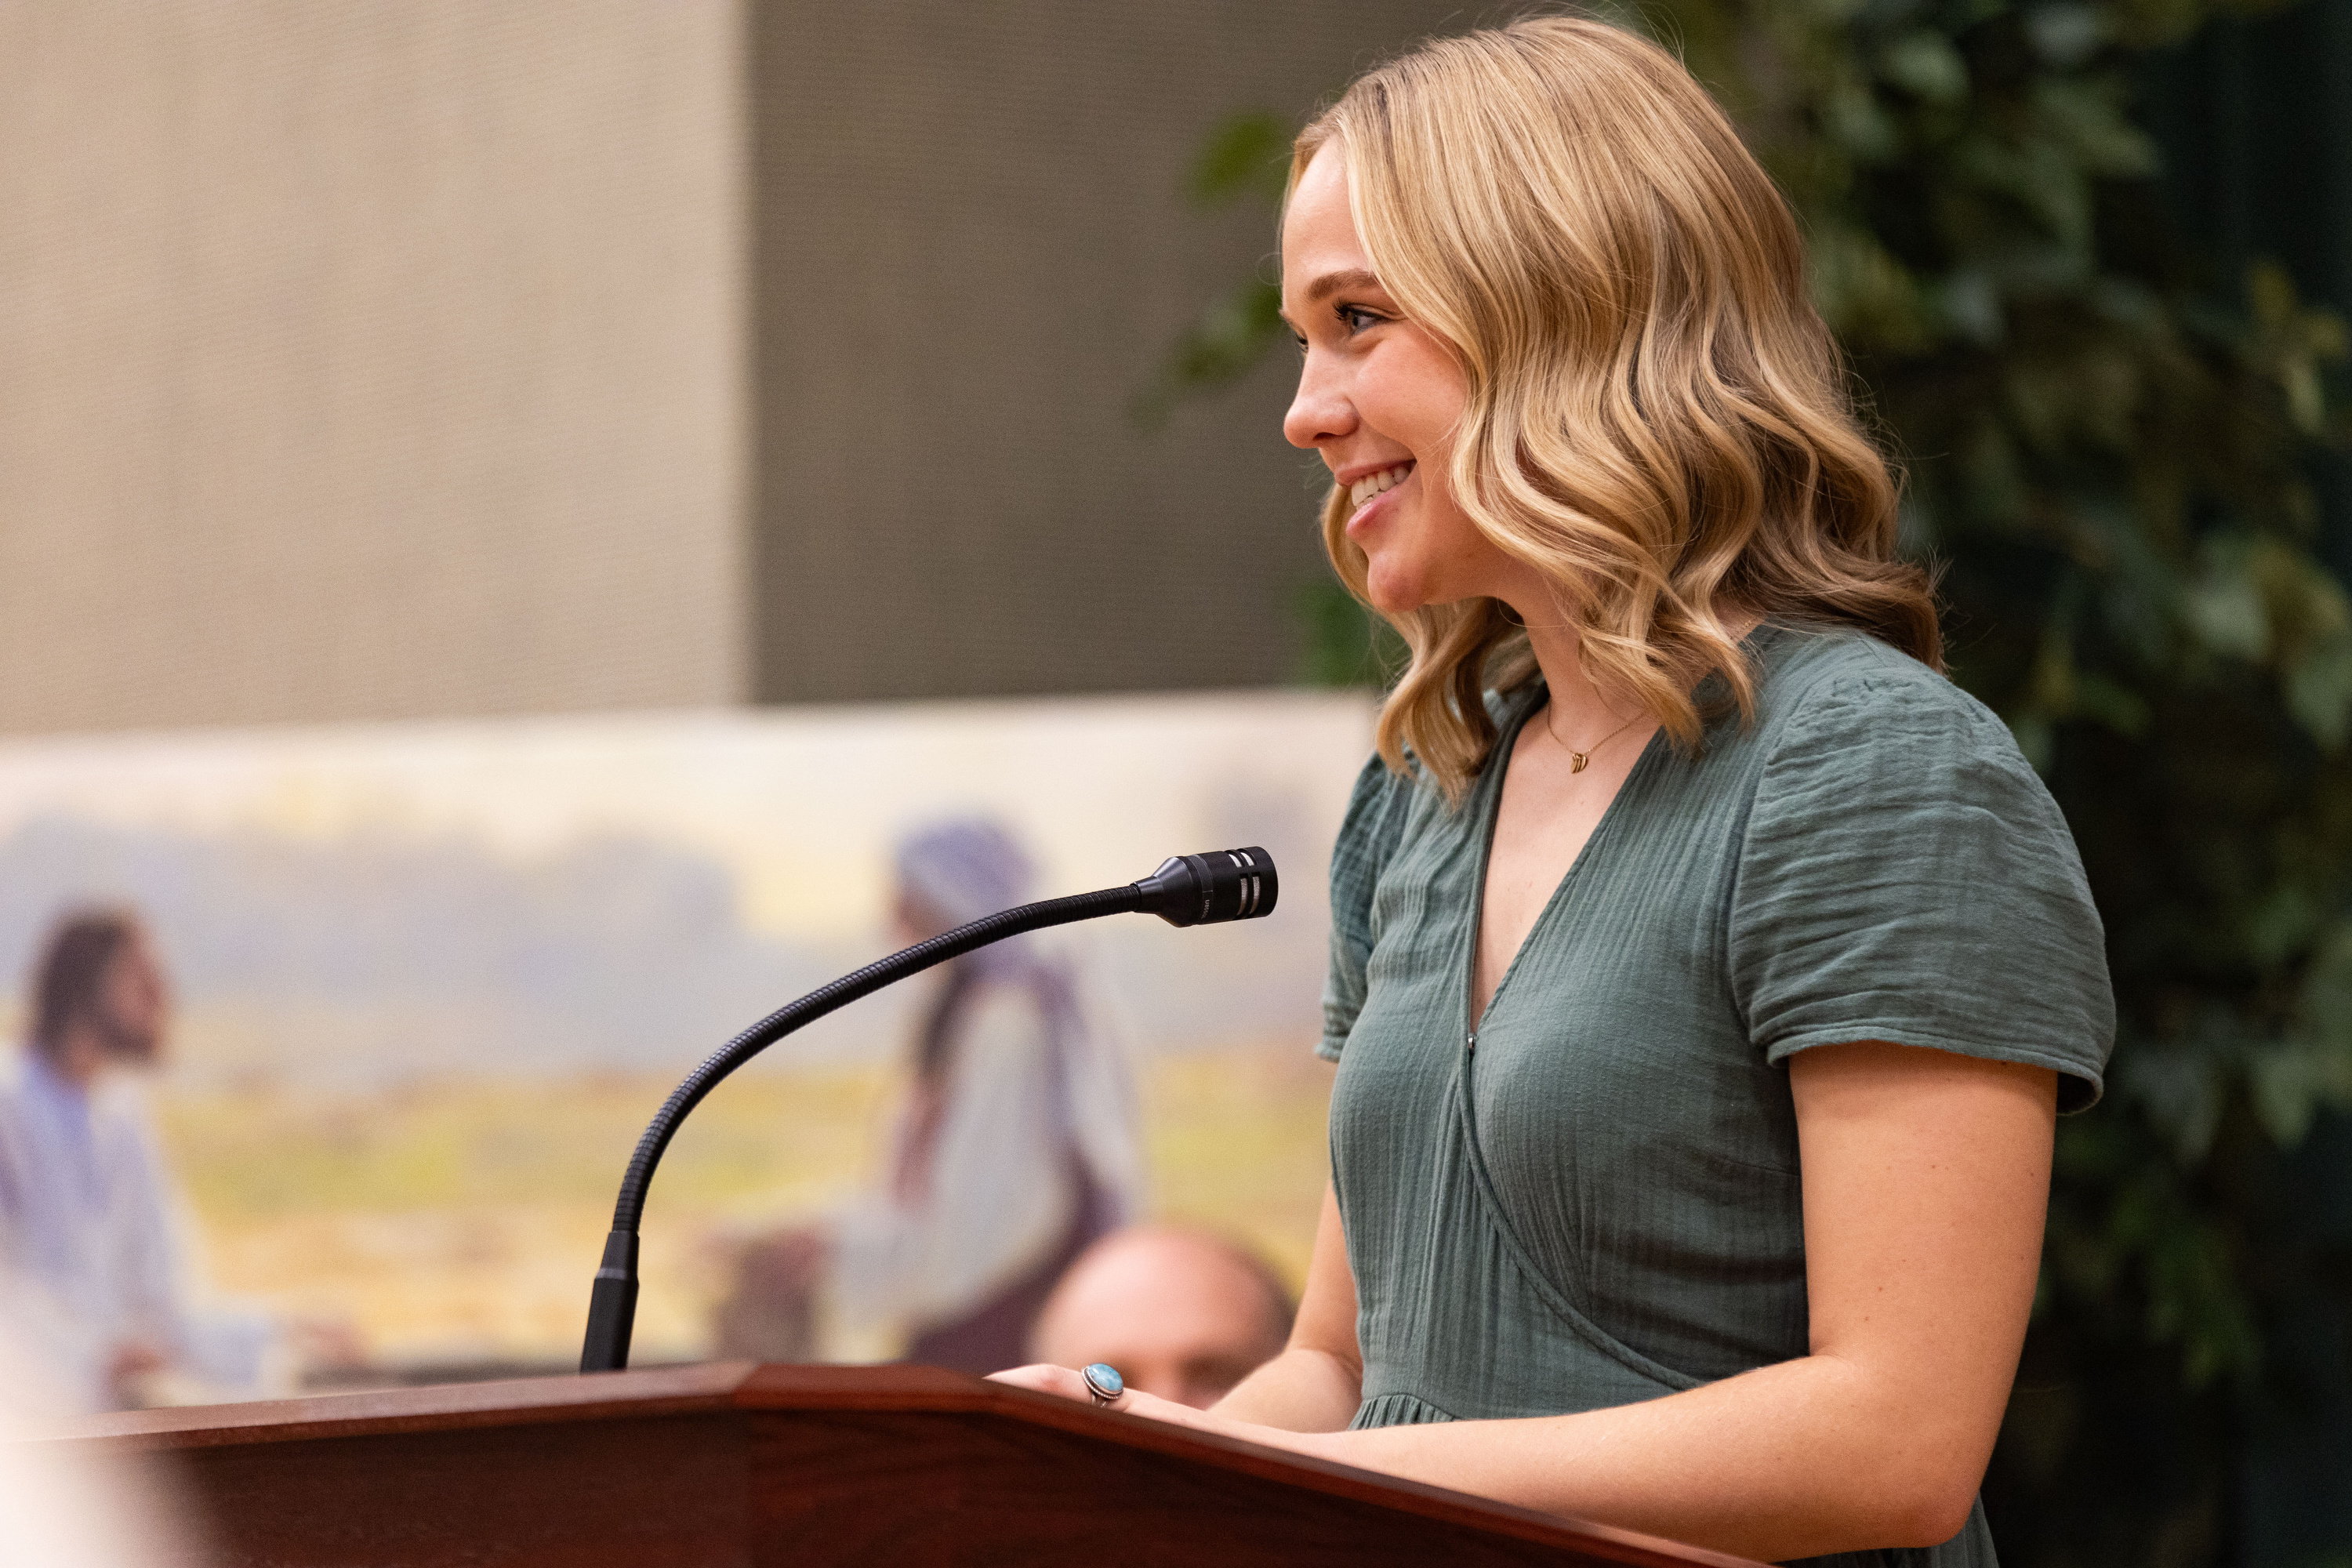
point(2108, 452)
point(1245, 158)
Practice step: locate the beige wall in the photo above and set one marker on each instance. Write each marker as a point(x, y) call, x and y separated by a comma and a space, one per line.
point(446, 357)
point(368, 360)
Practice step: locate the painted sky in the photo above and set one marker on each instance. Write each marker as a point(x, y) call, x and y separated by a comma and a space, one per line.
point(548, 894)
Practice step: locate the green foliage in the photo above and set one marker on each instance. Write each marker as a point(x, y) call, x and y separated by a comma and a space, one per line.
point(1248, 155)
point(1247, 158)
point(2108, 454)
point(1346, 645)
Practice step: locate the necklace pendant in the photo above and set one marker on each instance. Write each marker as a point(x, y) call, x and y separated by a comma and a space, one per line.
point(1576, 761)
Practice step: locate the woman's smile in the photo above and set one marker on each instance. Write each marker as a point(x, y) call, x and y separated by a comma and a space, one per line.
point(1368, 494)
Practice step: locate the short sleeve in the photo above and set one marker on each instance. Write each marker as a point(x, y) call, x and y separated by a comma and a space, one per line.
point(1367, 834)
point(1906, 877)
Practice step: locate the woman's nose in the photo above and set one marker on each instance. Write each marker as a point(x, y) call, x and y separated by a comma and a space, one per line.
point(1320, 411)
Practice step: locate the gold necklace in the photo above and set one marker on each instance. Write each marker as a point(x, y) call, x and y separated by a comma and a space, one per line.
point(1578, 761)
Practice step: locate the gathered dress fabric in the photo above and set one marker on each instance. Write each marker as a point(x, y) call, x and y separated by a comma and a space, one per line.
point(1591, 1194)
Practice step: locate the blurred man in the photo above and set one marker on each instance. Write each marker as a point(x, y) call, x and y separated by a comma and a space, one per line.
point(89, 1251)
point(1181, 1313)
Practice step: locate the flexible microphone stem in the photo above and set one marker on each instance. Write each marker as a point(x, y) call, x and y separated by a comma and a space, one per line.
point(1187, 890)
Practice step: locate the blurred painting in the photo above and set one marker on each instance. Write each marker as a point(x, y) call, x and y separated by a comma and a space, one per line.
point(430, 980)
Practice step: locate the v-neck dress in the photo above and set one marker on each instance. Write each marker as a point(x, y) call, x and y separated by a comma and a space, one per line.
point(1590, 1195)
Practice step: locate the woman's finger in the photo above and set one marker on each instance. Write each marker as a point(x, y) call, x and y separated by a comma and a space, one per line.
point(1067, 1383)
point(1060, 1381)
point(1135, 1402)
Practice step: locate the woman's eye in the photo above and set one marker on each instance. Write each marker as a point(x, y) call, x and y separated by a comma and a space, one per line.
point(1356, 318)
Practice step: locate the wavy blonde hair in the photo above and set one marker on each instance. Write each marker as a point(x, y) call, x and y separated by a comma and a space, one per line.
point(1656, 417)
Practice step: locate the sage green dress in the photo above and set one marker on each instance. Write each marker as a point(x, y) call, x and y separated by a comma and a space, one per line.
point(1591, 1194)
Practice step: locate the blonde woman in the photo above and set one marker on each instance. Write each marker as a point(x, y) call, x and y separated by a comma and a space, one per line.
point(1706, 968)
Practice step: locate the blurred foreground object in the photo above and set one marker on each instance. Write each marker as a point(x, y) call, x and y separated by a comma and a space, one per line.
point(65, 1506)
point(97, 1289)
point(1017, 1144)
point(1180, 1313)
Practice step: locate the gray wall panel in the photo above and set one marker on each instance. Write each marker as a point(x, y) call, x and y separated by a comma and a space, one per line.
point(969, 247)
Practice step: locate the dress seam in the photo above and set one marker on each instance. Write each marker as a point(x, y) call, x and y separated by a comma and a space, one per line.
point(1545, 1289)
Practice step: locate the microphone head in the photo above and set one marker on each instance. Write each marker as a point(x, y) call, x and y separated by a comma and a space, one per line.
point(1209, 890)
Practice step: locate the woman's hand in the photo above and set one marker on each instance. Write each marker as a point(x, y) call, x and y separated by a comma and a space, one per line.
point(1067, 1383)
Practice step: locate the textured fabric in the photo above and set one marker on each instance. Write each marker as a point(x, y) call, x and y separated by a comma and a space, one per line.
point(1598, 1202)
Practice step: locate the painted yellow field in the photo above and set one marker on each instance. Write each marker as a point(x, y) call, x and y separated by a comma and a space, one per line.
point(460, 1221)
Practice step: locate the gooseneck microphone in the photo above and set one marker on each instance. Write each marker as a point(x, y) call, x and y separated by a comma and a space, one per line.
point(1187, 890)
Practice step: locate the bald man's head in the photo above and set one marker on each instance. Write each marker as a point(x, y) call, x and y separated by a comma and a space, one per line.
point(1181, 1313)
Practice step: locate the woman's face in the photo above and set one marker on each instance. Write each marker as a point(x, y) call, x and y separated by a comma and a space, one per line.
point(1379, 398)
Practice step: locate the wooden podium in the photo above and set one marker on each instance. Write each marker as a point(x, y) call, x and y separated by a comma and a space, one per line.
point(737, 1464)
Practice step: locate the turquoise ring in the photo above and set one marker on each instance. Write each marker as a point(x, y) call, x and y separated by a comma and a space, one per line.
point(1103, 1385)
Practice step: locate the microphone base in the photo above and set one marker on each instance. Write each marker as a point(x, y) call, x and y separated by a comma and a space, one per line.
point(611, 1306)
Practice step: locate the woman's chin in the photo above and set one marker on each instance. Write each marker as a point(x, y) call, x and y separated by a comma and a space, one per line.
point(1393, 593)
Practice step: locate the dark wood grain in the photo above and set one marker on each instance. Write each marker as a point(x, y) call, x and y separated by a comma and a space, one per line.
point(733, 1464)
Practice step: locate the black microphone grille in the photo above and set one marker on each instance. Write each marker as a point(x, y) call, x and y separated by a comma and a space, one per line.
point(1208, 889)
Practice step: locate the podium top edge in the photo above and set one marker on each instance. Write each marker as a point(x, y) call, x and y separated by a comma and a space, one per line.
point(748, 1387)
point(527, 1401)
